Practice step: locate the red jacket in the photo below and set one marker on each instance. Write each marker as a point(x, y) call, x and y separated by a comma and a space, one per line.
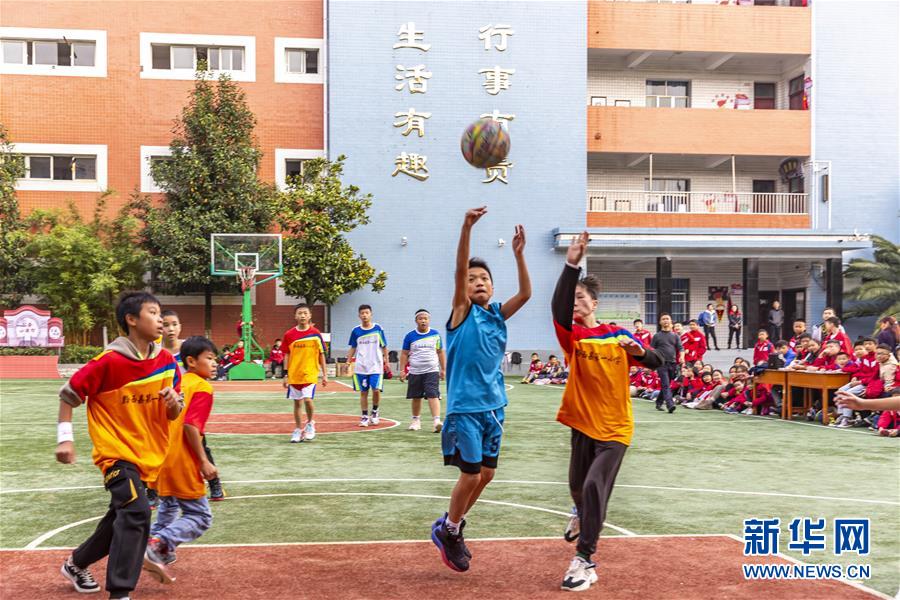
point(237, 356)
point(761, 351)
point(824, 362)
point(644, 337)
point(869, 370)
point(276, 355)
point(889, 419)
point(694, 343)
point(846, 344)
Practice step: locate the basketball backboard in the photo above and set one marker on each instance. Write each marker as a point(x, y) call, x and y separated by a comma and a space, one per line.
point(231, 251)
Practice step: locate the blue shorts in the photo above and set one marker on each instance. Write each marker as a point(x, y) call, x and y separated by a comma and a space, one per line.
point(362, 383)
point(472, 440)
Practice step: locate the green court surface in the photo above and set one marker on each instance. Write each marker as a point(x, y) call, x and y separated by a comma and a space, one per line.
point(687, 473)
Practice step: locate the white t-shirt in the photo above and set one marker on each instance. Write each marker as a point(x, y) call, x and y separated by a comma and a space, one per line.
point(368, 344)
point(422, 348)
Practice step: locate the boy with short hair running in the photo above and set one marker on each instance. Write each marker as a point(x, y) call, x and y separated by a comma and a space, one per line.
point(476, 394)
point(132, 393)
point(304, 354)
point(596, 405)
point(368, 351)
point(423, 351)
point(183, 514)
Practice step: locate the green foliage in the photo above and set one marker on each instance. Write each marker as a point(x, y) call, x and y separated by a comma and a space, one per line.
point(210, 185)
point(80, 267)
point(314, 213)
point(69, 354)
point(26, 351)
point(879, 293)
point(13, 235)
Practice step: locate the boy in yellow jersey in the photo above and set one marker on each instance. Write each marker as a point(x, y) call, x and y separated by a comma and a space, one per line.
point(304, 355)
point(596, 405)
point(183, 514)
point(132, 393)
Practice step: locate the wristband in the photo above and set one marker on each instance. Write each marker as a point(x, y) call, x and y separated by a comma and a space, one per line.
point(64, 432)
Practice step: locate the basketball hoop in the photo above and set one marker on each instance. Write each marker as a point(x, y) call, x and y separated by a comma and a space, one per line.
point(247, 275)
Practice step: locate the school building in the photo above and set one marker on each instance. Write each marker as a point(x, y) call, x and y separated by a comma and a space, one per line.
point(716, 152)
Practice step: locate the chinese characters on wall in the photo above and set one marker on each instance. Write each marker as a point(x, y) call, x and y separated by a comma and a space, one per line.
point(413, 79)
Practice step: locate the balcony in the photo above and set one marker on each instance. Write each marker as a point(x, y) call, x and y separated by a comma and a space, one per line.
point(698, 131)
point(629, 208)
point(699, 28)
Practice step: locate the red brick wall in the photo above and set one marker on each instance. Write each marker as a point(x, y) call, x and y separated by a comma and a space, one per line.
point(701, 221)
point(125, 112)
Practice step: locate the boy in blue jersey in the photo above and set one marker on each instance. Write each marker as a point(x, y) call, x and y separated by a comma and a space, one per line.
point(476, 395)
point(368, 353)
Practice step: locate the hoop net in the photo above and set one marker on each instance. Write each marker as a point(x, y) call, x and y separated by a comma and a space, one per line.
point(247, 275)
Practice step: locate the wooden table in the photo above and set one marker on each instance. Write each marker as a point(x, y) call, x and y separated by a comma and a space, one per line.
point(815, 380)
point(771, 377)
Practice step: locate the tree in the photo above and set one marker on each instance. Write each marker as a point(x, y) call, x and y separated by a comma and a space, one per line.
point(314, 213)
point(80, 268)
point(210, 186)
point(879, 293)
point(13, 234)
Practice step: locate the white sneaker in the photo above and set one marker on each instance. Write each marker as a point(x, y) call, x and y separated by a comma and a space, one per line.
point(309, 432)
point(415, 424)
point(297, 436)
point(573, 527)
point(580, 576)
point(748, 411)
point(364, 421)
point(374, 420)
point(438, 426)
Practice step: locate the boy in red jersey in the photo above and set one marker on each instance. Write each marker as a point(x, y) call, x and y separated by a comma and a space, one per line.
point(132, 392)
point(304, 352)
point(640, 334)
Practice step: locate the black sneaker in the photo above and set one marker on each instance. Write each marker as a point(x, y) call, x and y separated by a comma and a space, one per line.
point(80, 578)
point(451, 549)
point(659, 406)
point(671, 408)
point(216, 493)
point(462, 541)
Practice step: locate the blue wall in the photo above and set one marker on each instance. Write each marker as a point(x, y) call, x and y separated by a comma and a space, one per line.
point(546, 184)
point(856, 112)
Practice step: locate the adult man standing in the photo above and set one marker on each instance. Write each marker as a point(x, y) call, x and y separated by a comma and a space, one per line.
point(668, 344)
point(776, 320)
point(708, 320)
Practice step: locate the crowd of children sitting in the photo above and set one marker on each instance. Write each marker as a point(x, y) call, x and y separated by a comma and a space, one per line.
point(551, 372)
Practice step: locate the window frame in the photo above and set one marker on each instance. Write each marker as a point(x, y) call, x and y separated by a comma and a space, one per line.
point(282, 155)
point(680, 286)
point(31, 35)
point(148, 153)
point(97, 151)
point(667, 83)
point(148, 39)
point(282, 45)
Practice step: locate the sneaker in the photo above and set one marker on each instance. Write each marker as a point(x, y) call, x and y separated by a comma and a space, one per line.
point(671, 408)
point(659, 406)
point(155, 560)
point(451, 549)
point(81, 579)
point(581, 575)
point(216, 491)
point(152, 498)
point(462, 540)
point(309, 432)
point(364, 421)
point(573, 527)
point(439, 521)
point(438, 426)
point(844, 423)
point(297, 436)
point(375, 420)
point(415, 424)
point(747, 411)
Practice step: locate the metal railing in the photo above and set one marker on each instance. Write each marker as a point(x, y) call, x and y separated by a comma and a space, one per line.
point(697, 202)
point(719, 2)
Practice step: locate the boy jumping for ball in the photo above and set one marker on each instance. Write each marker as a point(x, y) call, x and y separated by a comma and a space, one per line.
point(476, 395)
point(132, 394)
point(596, 405)
point(171, 341)
point(304, 354)
point(183, 514)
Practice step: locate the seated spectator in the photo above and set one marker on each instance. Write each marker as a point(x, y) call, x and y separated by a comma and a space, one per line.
point(805, 359)
point(276, 360)
point(223, 360)
point(825, 361)
point(699, 387)
point(682, 385)
point(738, 399)
point(534, 368)
point(649, 384)
point(634, 380)
point(832, 330)
point(742, 362)
point(705, 400)
point(889, 422)
point(783, 354)
point(552, 370)
point(763, 349)
point(765, 401)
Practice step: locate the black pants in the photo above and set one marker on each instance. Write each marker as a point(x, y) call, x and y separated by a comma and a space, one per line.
point(710, 331)
point(593, 467)
point(667, 372)
point(774, 333)
point(209, 457)
point(122, 532)
point(736, 334)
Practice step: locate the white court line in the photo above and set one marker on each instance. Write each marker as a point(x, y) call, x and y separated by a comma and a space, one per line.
point(374, 542)
point(46, 536)
point(850, 582)
point(498, 481)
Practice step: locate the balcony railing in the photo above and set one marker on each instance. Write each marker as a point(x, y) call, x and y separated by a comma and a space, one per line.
point(619, 201)
point(719, 2)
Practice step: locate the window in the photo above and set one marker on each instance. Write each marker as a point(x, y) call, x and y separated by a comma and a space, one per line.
point(671, 195)
point(680, 300)
point(289, 162)
point(795, 94)
point(598, 100)
point(302, 61)
point(764, 96)
point(35, 51)
point(299, 60)
point(62, 167)
point(293, 167)
point(668, 94)
point(149, 156)
point(178, 56)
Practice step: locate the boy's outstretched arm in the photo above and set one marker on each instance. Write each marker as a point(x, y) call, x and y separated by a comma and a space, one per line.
point(461, 300)
point(512, 306)
point(562, 303)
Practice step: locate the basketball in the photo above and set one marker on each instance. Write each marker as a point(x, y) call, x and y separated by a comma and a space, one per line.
point(484, 143)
